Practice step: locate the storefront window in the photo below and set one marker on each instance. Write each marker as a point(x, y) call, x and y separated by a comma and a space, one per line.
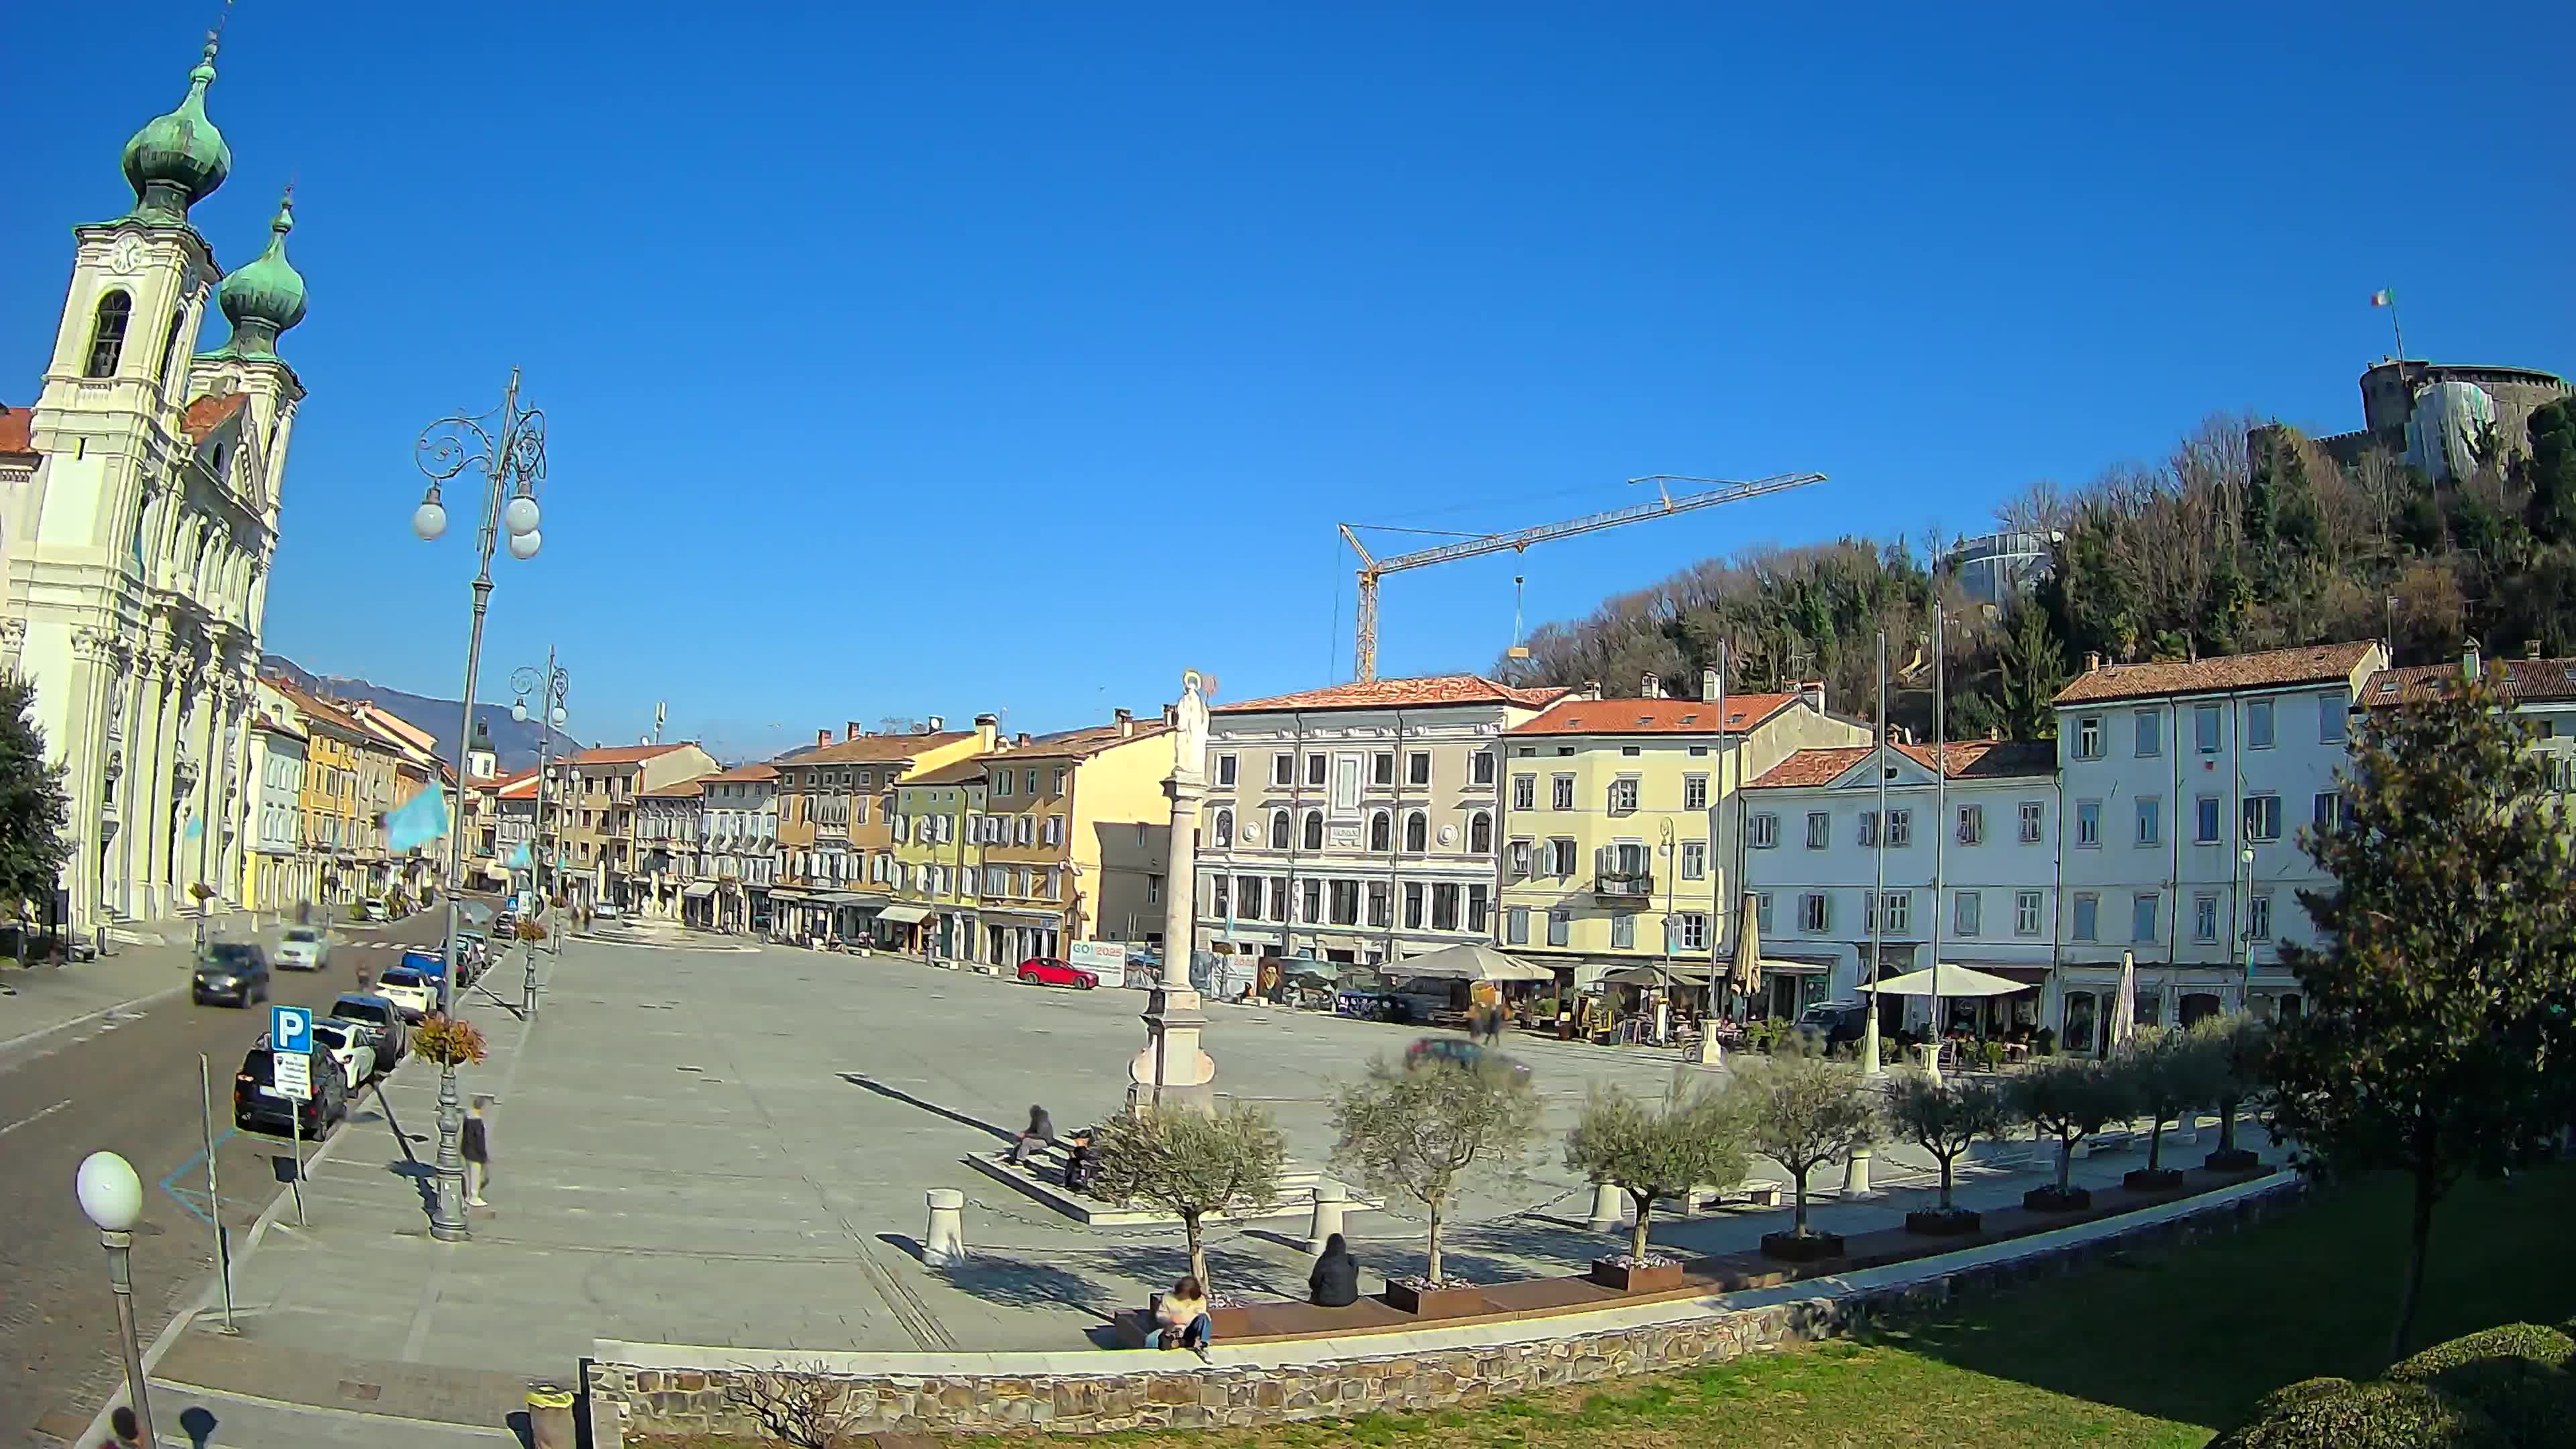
point(2079, 1021)
point(2197, 1005)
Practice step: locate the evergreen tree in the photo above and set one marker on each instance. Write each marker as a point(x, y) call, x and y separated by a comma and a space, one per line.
point(2549, 471)
point(33, 808)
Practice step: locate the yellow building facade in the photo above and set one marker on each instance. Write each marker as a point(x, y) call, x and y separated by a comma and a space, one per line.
point(1616, 829)
point(937, 863)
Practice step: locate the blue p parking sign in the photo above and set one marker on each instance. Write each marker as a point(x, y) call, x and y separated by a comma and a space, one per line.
point(290, 1029)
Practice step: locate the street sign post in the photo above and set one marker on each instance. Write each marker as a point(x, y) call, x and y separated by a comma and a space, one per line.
point(293, 1075)
point(290, 1029)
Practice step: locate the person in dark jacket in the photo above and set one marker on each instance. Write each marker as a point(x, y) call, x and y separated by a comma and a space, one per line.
point(476, 1149)
point(1335, 1281)
point(1041, 1131)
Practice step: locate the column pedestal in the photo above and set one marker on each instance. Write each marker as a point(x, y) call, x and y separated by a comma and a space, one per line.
point(1172, 1071)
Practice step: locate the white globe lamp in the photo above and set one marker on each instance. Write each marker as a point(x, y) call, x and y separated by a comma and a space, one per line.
point(524, 545)
point(109, 1192)
point(429, 520)
point(519, 515)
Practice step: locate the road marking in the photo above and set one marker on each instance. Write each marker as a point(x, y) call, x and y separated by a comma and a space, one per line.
point(35, 1117)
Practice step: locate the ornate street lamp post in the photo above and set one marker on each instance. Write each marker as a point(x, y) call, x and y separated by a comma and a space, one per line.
point(550, 687)
point(112, 1197)
point(508, 447)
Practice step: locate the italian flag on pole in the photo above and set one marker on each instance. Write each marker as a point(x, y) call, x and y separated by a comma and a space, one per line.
point(2383, 297)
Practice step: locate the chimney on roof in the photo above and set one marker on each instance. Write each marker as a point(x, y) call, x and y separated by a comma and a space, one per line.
point(1023, 740)
point(1708, 685)
point(1813, 692)
point(2530, 648)
point(1126, 722)
point(1591, 690)
point(2092, 661)
point(822, 738)
point(854, 731)
point(1652, 687)
point(986, 727)
point(2469, 659)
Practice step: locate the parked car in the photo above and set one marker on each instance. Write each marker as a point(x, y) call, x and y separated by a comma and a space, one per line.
point(1454, 1052)
point(1828, 1025)
point(415, 994)
point(302, 949)
point(344, 1043)
point(1055, 971)
point(607, 911)
point(257, 1102)
point(379, 1023)
point(231, 971)
point(376, 910)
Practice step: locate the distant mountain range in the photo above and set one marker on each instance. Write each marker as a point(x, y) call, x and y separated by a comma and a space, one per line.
point(514, 743)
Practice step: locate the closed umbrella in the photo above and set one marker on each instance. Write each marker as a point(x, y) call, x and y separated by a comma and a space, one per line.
point(2124, 1007)
point(1746, 977)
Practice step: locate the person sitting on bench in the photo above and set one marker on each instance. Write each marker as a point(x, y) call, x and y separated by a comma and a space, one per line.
point(1041, 1131)
point(1181, 1319)
point(1335, 1281)
point(1078, 1162)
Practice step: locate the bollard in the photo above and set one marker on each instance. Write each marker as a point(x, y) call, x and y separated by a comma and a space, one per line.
point(1332, 1199)
point(550, 1416)
point(1605, 1207)
point(1856, 1175)
point(944, 1245)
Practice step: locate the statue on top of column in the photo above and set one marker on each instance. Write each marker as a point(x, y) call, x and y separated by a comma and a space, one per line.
point(1189, 739)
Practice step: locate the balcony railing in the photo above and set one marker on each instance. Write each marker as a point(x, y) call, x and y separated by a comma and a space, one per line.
point(1624, 885)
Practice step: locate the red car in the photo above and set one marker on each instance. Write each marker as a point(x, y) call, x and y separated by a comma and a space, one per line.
point(1050, 971)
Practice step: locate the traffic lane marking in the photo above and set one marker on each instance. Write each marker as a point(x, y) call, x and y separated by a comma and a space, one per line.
point(35, 1117)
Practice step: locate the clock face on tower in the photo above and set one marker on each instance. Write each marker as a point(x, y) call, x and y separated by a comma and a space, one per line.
point(126, 258)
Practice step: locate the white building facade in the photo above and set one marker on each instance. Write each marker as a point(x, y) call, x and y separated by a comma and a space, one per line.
point(738, 845)
point(1971, 866)
point(137, 553)
point(1356, 824)
point(2185, 786)
point(280, 873)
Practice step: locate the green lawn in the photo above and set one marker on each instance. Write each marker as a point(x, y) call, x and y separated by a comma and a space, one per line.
point(2162, 1350)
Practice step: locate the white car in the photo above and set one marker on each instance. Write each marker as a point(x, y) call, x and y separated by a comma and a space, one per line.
point(413, 994)
point(340, 1042)
point(606, 911)
point(301, 949)
point(374, 910)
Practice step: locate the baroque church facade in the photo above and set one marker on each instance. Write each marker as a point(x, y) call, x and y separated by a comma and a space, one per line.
point(137, 547)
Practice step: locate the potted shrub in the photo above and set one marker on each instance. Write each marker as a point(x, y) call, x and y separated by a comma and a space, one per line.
point(1416, 1128)
point(2238, 1043)
point(2172, 1072)
point(1652, 1153)
point(2069, 1098)
point(448, 1041)
point(1944, 1117)
point(1802, 1111)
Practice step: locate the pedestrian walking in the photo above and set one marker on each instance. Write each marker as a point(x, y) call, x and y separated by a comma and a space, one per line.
point(477, 1150)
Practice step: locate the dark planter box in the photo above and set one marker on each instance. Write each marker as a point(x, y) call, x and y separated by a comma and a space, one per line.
point(1636, 1280)
point(1939, 1224)
point(1435, 1302)
point(2162, 1179)
point(2231, 1159)
point(2050, 1200)
point(1802, 1248)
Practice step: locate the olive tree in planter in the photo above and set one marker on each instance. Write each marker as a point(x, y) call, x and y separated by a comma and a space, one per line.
point(1652, 1153)
point(1417, 1128)
point(2171, 1072)
point(1191, 1164)
point(2238, 1045)
point(1802, 1110)
point(1945, 1117)
point(2069, 1098)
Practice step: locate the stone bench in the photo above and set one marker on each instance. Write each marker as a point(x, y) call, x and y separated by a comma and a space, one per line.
point(1759, 1192)
point(1279, 1322)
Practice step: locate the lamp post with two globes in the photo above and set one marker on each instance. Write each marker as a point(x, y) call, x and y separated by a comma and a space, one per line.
point(550, 688)
point(508, 448)
point(112, 1197)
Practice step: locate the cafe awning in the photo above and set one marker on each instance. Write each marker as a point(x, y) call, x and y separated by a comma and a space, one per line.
point(1955, 981)
point(1651, 976)
point(904, 915)
point(1469, 962)
point(699, 890)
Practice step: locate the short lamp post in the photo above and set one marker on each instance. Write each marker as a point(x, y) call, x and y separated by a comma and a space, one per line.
point(550, 687)
point(112, 1197)
point(507, 447)
point(2245, 917)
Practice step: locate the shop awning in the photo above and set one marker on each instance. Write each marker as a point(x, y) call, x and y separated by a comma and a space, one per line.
point(1650, 976)
point(1470, 962)
point(904, 915)
point(699, 890)
point(848, 898)
point(1955, 981)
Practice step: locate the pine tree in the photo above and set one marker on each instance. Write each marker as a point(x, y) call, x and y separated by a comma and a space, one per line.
point(34, 811)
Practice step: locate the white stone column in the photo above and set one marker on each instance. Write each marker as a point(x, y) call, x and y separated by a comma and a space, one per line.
point(1172, 1070)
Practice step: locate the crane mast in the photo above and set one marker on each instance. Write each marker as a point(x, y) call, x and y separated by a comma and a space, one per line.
point(1373, 568)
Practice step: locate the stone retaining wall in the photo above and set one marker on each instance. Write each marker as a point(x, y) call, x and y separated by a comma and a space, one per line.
point(664, 1400)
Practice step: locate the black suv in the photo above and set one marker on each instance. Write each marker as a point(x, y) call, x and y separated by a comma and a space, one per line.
point(232, 971)
point(257, 1103)
point(1833, 1024)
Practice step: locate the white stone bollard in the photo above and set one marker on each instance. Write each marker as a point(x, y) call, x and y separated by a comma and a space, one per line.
point(944, 1245)
point(1605, 1207)
point(1856, 1175)
point(1332, 1199)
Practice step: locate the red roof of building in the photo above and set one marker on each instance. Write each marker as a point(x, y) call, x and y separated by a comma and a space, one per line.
point(521, 786)
point(680, 790)
point(206, 414)
point(1083, 744)
point(625, 754)
point(17, 430)
point(1653, 716)
point(1418, 693)
point(877, 749)
point(2308, 664)
point(744, 773)
point(2517, 680)
point(1967, 759)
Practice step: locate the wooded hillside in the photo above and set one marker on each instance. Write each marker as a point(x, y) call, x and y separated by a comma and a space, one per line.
point(2217, 549)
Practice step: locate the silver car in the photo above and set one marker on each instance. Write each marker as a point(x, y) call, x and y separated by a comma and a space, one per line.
point(301, 949)
point(349, 1045)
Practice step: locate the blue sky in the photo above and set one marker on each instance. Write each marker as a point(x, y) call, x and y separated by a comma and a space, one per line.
point(945, 358)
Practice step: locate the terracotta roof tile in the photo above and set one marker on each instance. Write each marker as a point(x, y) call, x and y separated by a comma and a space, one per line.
point(17, 430)
point(1967, 759)
point(2514, 679)
point(751, 772)
point(1653, 716)
point(2310, 664)
point(206, 414)
point(322, 709)
point(624, 754)
point(1422, 692)
point(1083, 744)
point(682, 790)
point(876, 749)
point(957, 772)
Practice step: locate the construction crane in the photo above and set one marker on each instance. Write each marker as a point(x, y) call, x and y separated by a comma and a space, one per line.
point(1373, 568)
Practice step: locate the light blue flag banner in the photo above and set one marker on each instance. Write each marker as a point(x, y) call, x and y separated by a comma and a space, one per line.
point(194, 830)
point(420, 820)
point(519, 859)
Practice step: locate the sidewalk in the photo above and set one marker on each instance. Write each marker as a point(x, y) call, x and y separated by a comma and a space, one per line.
point(53, 997)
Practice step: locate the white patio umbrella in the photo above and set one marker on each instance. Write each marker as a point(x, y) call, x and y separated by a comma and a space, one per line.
point(1955, 981)
point(2124, 1006)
